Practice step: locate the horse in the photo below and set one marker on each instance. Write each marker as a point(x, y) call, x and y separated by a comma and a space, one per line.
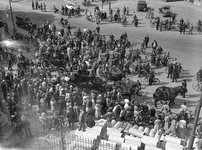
point(164, 93)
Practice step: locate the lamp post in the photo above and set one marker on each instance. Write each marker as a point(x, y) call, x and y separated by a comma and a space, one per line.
point(11, 10)
point(109, 5)
point(192, 136)
point(61, 133)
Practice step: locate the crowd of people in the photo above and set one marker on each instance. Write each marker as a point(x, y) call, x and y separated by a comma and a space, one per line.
point(82, 55)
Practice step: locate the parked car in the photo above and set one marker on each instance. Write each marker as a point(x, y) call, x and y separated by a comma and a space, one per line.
point(25, 22)
point(141, 5)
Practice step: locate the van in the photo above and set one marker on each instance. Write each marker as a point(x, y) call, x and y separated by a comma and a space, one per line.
point(141, 5)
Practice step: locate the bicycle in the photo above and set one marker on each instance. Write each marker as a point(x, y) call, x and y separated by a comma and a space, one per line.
point(144, 79)
point(197, 86)
point(152, 23)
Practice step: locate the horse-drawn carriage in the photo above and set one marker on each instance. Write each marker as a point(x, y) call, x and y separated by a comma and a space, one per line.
point(169, 94)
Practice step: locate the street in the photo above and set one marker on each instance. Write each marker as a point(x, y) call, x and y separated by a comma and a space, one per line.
point(186, 48)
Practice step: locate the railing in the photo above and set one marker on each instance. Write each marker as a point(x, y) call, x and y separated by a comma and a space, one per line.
point(11, 132)
point(71, 142)
point(4, 130)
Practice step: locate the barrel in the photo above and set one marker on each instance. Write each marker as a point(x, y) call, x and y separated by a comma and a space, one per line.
point(117, 125)
point(132, 138)
point(113, 122)
point(135, 126)
point(157, 135)
point(151, 141)
point(141, 128)
point(136, 132)
point(147, 147)
point(173, 146)
point(152, 133)
point(117, 140)
point(146, 131)
point(128, 127)
point(173, 139)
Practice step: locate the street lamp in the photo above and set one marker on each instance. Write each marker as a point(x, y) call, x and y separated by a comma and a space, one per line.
point(109, 5)
point(11, 11)
point(192, 136)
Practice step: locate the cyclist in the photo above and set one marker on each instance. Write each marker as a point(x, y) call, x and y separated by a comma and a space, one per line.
point(199, 75)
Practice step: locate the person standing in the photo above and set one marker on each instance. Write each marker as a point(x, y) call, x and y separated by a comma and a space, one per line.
point(41, 6)
point(37, 5)
point(157, 23)
point(71, 117)
point(26, 126)
point(82, 119)
point(44, 7)
point(4, 89)
point(98, 29)
point(127, 11)
point(161, 26)
point(69, 29)
point(174, 73)
point(146, 41)
point(170, 70)
point(184, 85)
point(33, 5)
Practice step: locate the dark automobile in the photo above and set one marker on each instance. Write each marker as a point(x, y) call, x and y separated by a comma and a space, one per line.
point(25, 22)
point(1, 23)
point(165, 10)
point(141, 5)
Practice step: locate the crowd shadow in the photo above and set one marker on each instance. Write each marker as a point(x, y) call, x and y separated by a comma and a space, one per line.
point(159, 73)
point(179, 101)
point(193, 95)
point(163, 83)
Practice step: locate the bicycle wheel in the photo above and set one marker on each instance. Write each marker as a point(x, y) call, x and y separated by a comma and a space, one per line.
point(61, 70)
point(144, 79)
point(152, 25)
point(196, 86)
point(166, 70)
point(156, 81)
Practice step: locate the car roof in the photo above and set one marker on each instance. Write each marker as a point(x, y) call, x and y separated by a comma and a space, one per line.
point(141, 2)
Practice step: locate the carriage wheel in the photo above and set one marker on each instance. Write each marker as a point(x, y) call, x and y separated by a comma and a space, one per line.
point(46, 63)
point(156, 81)
point(152, 25)
point(196, 86)
point(166, 70)
point(144, 79)
point(61, 70)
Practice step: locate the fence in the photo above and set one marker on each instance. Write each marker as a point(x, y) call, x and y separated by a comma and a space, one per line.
point(9, 137)
point(73, 142)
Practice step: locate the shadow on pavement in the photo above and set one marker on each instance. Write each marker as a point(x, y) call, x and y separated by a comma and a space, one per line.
point(193, 95)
